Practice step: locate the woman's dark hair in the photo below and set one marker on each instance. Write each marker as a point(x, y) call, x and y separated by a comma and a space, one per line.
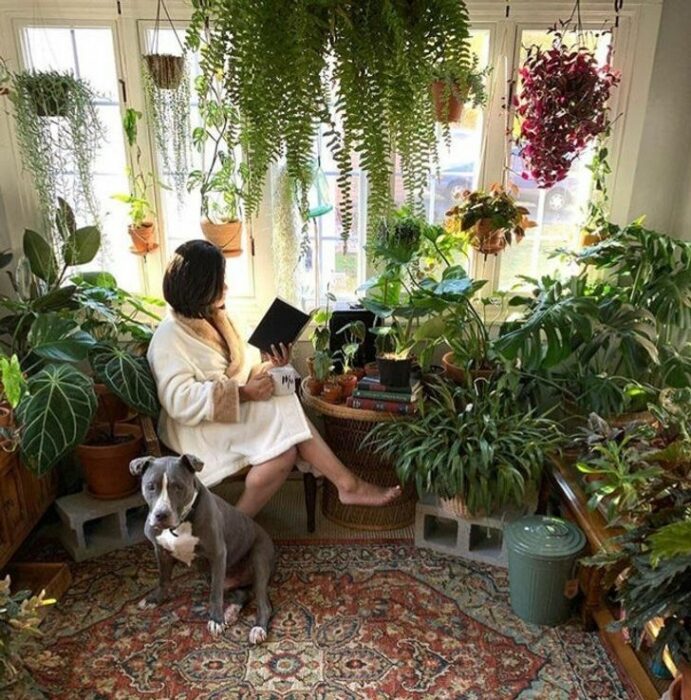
point(194, 279)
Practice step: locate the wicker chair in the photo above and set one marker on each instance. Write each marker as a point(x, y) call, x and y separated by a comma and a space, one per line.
point(156, 448)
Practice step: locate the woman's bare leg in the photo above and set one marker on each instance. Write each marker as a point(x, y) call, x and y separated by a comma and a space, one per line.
point(351, 489)
point(263, 480)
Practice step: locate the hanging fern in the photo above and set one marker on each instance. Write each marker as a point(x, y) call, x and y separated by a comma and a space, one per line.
point(363, 68)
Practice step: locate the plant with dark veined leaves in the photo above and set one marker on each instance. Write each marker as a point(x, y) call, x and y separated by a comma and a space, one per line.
point(55, 324)
point(561, 107)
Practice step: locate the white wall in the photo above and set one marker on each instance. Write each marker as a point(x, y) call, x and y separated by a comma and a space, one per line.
point(662, 180)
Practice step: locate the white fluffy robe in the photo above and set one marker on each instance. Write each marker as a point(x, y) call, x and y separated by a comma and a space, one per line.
point(188, 369)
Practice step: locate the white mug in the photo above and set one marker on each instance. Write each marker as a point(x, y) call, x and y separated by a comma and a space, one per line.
point(283, 379)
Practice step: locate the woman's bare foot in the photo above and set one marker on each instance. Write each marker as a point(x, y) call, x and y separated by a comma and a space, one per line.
point(362, 493)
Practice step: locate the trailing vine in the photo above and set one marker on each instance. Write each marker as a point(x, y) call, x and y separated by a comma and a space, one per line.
point(362, 68)
point(59, 133)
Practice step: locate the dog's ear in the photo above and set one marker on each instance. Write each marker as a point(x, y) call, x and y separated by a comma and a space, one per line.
point(137, 466)
point(191, 462)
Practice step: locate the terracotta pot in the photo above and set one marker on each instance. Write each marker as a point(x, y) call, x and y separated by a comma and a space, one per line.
point(457, 374)
point(448, 101)
point(165, 70)
point(143, 237)
point(488, 240)
point(332, 392)
point(588, 239)
point(5, 415)
point(227, 236)
point(348, 384)
point(372, 369)
point(107, 467)
point(314, 386)
point(359, 372)
point(110, 409)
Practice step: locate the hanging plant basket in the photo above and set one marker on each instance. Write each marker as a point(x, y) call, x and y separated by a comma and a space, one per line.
point(51, 97)
point(448, 100)
point(226, 236)
point(488, 240)
point(165, 70)
point(143, 237)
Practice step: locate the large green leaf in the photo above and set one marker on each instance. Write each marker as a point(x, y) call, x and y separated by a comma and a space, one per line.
point(81, 246)
point(60, 339)
point(40, 255)
point(54, 415)
point(129, 378)
point(56, 300)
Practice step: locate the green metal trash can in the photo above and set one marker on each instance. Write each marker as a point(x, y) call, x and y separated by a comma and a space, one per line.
point(542, 556)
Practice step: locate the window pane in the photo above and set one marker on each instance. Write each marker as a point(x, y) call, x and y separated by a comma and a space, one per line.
point(558, 211)
point(182, 218)
point(89, 53)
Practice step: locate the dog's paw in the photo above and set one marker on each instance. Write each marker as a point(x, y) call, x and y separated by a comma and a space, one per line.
point(232, 613)
point(257, 635)
point(216, 628)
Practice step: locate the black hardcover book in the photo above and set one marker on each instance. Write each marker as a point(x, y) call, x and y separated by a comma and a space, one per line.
point(282, 323)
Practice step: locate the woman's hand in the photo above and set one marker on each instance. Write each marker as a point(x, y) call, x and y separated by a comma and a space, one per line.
point(279, 357)
point(258, 388)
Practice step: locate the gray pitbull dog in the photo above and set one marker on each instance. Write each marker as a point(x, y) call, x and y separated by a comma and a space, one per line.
point(186, 521)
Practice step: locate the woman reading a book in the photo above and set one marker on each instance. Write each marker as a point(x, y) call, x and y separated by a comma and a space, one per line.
point(218, 407)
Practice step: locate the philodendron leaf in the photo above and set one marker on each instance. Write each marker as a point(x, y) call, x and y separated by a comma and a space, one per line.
point(40, 256)
point(129, 378)
point(81, 246)
point(65, 220)
point(13, 382)
point(59, 339)
point(55, 414)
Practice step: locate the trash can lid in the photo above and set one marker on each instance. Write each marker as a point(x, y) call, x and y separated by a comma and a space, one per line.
point(543, 537)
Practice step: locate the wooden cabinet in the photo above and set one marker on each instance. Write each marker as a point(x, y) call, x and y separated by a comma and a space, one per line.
point(24, 498)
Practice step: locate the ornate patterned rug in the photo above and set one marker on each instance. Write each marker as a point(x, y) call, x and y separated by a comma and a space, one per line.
point(351, 620)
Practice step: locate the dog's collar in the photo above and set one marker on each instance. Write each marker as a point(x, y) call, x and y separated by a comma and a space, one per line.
point(187, 511)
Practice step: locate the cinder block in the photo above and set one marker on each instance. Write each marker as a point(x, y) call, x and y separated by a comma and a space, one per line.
point(91, 527)
point(478, 538)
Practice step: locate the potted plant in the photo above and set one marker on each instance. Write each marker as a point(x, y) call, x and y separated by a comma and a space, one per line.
point(479, 452)
point(55, 325)
point(449, 94)
point(650, 567)
point(355, 333)
point(167, 94)
point(142, 229)
point(491, 219)
point(59, 133)
point(561, 106)
point(320, 365)
point(20, 615)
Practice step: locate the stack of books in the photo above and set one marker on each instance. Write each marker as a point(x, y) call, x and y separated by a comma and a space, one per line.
point(372, 395)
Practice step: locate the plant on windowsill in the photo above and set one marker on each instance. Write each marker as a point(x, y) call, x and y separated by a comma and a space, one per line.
point(492, 219)
point(142, 228)
point(449, 94)
point(479, 452)
point(59, 133)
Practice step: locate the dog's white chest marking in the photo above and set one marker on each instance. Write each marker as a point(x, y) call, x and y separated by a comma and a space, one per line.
point(180, 544)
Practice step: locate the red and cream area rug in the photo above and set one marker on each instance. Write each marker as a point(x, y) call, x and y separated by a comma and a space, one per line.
point(351, 620)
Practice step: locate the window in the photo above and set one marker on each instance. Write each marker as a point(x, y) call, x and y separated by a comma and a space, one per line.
point(181, 219)
point(88, 53)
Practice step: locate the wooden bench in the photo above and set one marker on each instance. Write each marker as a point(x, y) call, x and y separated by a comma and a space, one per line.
point(155, 448)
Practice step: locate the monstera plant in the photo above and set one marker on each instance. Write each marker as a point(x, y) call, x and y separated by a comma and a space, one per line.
point(66, 330)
